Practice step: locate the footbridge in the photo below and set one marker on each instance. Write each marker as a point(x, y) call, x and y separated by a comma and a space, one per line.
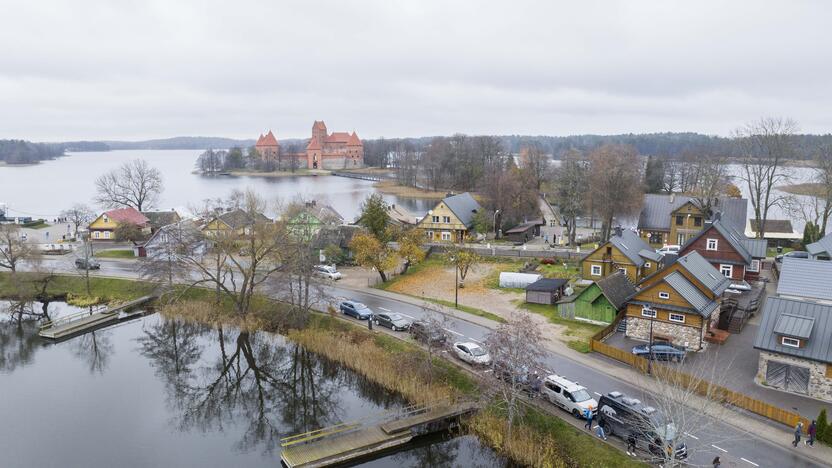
point(83, 322)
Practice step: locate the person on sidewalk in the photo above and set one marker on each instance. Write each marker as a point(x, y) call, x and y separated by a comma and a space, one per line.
point(717, 462)
point(588, 417)
point(599, 431)
point(797, 430)
point(810, 434)
point(631, 444)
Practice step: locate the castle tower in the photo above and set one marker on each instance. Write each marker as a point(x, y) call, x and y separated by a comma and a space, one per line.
point(319, 132)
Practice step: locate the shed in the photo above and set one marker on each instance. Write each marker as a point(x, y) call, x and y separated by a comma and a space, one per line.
point(522, 232)
point(545, 290)
point(509, 279)
point(602, 300)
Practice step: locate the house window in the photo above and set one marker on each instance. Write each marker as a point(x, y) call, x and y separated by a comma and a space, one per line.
point(755, 266)
point(97, 235)
point(446, 219)
point(430, 235)
point(106, 219)
point(664, 295)
point(446, 236)
point(648, 312)
point(646, 264)
point(679, 220)
point(680, 239)
point(679, 318)
point(106, 234)
point(791, 342)
point(595, 270)
point(726, 270)
point(435, 219)
point(697, 221)
point(712, 244)
point(655, 238)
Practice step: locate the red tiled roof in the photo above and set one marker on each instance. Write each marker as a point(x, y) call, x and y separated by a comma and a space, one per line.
point(127, 215)
point(354, 140)
point(338, 137)
point(259, 140)
point(268, 140)
point(319, 124)
point(313, 145)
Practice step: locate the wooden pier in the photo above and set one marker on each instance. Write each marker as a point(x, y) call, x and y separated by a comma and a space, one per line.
point(348, 441)
point(82, 322)
point(356, 175)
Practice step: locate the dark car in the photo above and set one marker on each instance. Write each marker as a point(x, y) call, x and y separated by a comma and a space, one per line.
point(661, 352)
point(356, 309)
point(392, 321)
point(421, 331)
point(84, 264)
point(526, 380)
point(792, 254)
point(623, 416)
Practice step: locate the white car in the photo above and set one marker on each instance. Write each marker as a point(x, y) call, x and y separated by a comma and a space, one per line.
point(327, 271)
point(669, 249)
point(568, 395)
point(472, 353)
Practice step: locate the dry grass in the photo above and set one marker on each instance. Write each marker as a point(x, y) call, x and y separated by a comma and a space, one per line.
point(809, 189)
point(264, 315)
point(526, 445)
point(390, 187)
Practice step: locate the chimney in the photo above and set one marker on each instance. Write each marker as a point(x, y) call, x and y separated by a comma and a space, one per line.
point(672, 197)
point(717, 216)
point(617, 231)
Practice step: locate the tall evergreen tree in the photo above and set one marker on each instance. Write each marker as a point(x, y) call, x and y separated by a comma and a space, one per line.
point(374, 217)
point(654, 175)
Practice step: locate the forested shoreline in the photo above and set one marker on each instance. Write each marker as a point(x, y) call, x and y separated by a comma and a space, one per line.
point(25, 152)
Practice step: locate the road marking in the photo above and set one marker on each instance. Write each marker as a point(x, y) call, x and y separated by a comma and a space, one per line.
point(719, 448)
point(691, 436)
point(451, 331)
point(486, 371)
point(386, 310)
point(475, 340)
point(408, 316)
point(597, 393)
point(749, 461)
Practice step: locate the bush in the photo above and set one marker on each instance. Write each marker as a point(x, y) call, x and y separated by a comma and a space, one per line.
point(823, 432)
point(548, 261)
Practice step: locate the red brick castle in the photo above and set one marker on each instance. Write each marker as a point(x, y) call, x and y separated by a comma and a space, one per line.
point(339, 150)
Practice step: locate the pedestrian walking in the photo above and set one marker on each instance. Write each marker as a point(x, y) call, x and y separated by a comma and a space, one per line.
point(810, 434)
point(717, 462)
point(797, 430)
point(588, 417)
point(599, 431)
point(631, 444)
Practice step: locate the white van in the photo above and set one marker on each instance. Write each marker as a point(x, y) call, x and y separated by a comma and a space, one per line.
point(568, 395)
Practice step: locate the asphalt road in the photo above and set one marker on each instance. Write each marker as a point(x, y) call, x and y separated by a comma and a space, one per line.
point(734, 446)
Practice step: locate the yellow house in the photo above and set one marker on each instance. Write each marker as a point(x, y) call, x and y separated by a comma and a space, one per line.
point(674, 219)
point(104, 226)
point(677, 304)
point(625, 251)
point(451, 220)
point(237, 221)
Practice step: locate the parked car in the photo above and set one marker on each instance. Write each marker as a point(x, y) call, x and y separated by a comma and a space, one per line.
point(792, 254)
point(669, 249)
point(421, 331)
point(568, 395)
point(527, 380)
point(472, 353)
point(356, 309)
point(622, 416)
point(660, 352)
point(84, 264)
point(392, 321)
point(327, 271)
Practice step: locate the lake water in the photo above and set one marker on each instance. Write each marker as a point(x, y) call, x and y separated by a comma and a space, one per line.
point(162, 393)
point(43, 190)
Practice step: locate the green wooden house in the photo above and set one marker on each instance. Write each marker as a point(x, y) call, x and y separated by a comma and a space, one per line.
point(306, 220)
point(602, 300)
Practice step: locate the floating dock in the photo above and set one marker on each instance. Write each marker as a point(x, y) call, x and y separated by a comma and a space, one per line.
point(348, 441)
point(82, 322)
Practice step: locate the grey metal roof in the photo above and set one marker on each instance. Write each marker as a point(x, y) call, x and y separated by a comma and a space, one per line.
point(688, 291)
point(547, 284)
point(464, 207)
point(702, 270)
point(617, 288)
point(630, 244)
point(655, 212)
point(798, 326)
point(803, 277)
point(650, 254)
point(756, 247)
point(818, 345)
point(733, 237)
point(823, 245)
point(732, 211)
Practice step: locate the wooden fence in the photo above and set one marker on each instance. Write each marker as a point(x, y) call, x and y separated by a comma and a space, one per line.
point(701, 386)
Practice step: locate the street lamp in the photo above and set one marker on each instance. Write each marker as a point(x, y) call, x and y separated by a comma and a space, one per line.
point(496, 212)
point(456, 283)
point(652, 316)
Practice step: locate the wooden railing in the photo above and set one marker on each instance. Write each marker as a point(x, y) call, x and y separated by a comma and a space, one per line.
point(701, 386)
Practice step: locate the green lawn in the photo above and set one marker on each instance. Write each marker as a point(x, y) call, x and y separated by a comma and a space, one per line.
point(772, 251)
point(101, 289)
point(580, 331)
point(37, 224)
point(115, 253)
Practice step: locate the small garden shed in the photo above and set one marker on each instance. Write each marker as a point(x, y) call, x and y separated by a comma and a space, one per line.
point(602, 300)
point(545, 291)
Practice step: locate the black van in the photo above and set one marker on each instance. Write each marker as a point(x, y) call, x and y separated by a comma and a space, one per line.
point(621, 415)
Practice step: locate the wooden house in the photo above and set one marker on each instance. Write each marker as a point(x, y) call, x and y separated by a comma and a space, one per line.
point(677, 304)
point(734, 255)
point(104, 226)
point(625, 251)
point(235, 221)
point(673, 219)
point(601, 301)
point(451, 220)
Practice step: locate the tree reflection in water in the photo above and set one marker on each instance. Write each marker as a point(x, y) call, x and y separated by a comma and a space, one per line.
point(19, 339)
point(94, 348)
point(219, 379)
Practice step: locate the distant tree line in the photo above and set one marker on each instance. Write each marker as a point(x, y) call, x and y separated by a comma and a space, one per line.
point(25, 152)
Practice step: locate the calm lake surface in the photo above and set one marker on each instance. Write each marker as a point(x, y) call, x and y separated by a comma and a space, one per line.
point(43, 190)
point(161, 393)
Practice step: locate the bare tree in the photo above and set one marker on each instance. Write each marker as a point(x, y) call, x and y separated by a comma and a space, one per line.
point(765, 145)
point(708, 178)
point(535, 164)
point(78, 215)
point(516, 349)
point(134, 184)
point(823, 179)
point(615, 183)
point(85, 254)
point(163, 264)
point(570, 192)
point(13, 249)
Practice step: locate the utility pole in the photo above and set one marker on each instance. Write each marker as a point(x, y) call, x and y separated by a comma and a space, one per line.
point(456, 286)
point(650, 359)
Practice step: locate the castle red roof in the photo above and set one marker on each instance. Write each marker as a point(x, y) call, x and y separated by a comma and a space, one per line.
point(354, 140)
point(319, 124)
point(259, 140)
point(128, 215)
point(268, 140)
point(313, 145)
point(338, 137)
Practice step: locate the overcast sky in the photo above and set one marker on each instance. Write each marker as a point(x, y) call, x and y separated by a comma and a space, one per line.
point(148, 69)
